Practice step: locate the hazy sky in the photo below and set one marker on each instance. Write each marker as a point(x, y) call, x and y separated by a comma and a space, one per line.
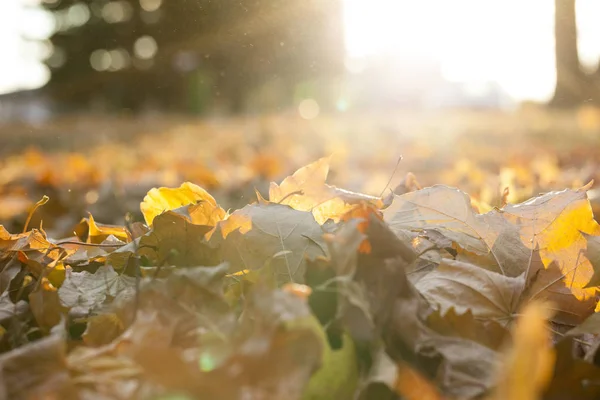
point(19, 67)
point(507, 41)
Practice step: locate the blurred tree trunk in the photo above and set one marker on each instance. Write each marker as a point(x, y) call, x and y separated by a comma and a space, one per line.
point(570, 80)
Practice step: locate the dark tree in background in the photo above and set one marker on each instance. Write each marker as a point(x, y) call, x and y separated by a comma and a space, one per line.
point(573, 85)
point(191, 55)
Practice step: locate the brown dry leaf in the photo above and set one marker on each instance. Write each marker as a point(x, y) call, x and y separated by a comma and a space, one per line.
point(539, 242)
point(529, 364)
point(488, 333)
point(203, 209)
point(375, 300)
point(174, 240)
point(185, 340)
point(84, 291)
point(42, 257)
point(461, 368)
point(102, 329)
point(573, 377)
point(45, 305)
point(43, 265)
point(37, 370)
point(306, 190)
point(448, 211)
point(280, 236)
point(34, 240)
point(467, 287)
point(555, 223)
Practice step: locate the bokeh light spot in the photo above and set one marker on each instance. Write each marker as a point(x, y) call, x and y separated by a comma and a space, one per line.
point(100, 60)
point(309, 109)
point(145, 47)
point(150, 5)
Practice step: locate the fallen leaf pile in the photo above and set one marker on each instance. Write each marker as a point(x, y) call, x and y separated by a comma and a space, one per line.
point(313, 292)
point(105, 165)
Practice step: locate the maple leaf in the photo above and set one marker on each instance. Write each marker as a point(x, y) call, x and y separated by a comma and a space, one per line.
point(466, 287)
point(174, 240)
point(430, 300)
point(448, 211)
point(280, 235)
point(375, 299)
point(83, 291)
point(268, 353)
point(535, 248)
point(464, 325)
point(554, 223)
point(306, 190)
point(92, 232)
point(458, 366)
point(202, 210)
point(42, 257)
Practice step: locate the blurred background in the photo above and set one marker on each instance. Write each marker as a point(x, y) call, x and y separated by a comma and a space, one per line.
point(249, 56)
point(100, 97)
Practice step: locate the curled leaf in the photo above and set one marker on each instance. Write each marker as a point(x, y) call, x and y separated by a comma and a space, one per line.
point(203, 209)
point(306, 190)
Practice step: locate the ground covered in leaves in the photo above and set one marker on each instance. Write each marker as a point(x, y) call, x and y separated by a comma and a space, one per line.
point(227, 286)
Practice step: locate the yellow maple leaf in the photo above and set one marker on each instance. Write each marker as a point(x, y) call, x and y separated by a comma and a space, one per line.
point(559, 237)
point(203, 209)
point(97, 233)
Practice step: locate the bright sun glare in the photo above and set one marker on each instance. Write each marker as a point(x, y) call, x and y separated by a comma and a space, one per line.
point(510, 42)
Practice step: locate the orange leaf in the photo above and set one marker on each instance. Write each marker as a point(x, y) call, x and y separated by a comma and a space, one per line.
point(412, 385)
point(363, 211)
